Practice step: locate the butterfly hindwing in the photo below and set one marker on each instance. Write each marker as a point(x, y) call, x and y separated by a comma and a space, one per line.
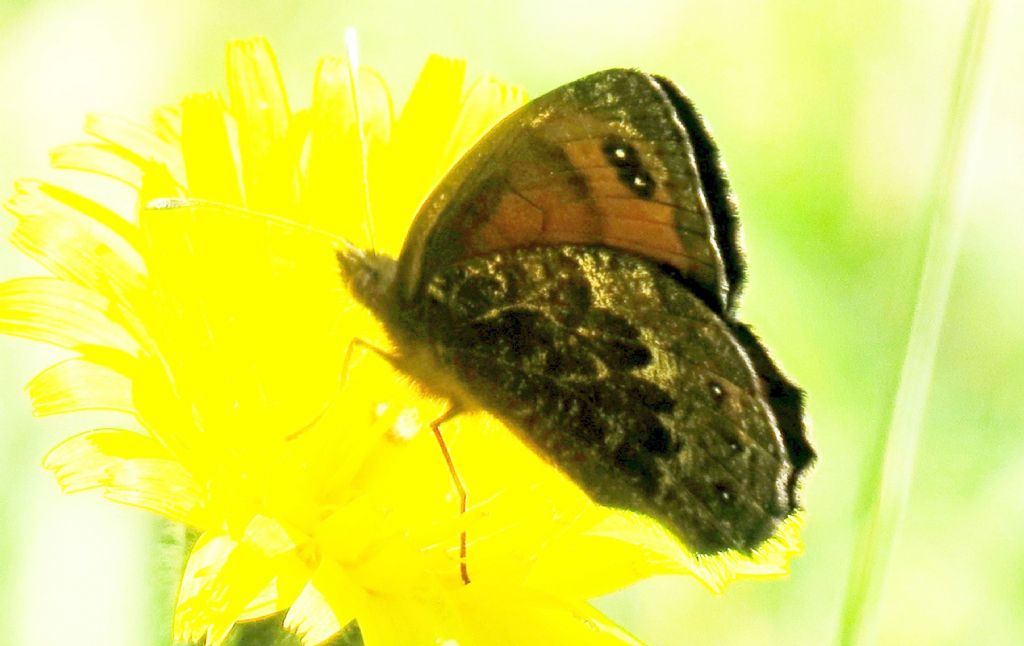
point(617, 159)
point(624, 379)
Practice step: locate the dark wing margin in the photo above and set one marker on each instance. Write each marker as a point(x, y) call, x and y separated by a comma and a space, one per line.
point(786, 402)
point(716, 187)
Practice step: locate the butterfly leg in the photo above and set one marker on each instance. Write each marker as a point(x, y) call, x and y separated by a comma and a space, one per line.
point(356, 342)
point(435, 426)
point(362, 344)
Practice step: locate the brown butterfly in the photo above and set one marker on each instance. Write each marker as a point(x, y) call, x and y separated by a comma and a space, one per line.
point(576, 275)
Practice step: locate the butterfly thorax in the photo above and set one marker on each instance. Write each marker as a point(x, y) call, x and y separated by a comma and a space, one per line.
point(371, 278)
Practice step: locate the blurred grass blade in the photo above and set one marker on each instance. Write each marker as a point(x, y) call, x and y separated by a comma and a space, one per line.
point(887, 488)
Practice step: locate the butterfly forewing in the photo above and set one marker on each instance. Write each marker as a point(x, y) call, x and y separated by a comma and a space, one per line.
point(605, 160)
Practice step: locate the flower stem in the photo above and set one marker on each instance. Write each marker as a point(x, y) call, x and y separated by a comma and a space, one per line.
point(887, 488)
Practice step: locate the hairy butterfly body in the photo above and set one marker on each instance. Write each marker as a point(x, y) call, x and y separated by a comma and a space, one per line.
point(576, 275)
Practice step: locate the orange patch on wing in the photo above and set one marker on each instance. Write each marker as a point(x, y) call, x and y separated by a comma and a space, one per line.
point(545, 208)
point(634, 209)
point(515, 222)
point(645, 227)
point(647, 237)
point(571, 222)
point(586, 153)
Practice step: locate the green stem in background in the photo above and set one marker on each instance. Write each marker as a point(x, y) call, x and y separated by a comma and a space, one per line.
point(173, 543)
point(888, 487)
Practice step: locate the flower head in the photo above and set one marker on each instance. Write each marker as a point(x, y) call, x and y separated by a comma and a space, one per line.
point(222, 338)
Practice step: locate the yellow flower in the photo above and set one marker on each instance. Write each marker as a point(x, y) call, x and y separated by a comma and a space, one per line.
point(222, 338)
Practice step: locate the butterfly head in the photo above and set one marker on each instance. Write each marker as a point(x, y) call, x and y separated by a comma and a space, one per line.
point(369, 275)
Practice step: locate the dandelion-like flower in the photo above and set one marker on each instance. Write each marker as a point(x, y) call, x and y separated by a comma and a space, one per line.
point(310, 482)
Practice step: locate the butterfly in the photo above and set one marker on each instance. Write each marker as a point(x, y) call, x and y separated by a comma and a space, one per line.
point(576, 275)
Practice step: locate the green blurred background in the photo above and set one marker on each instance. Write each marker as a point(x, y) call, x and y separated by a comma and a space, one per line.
point(829, 115)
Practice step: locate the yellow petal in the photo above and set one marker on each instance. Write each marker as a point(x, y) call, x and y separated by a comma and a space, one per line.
point(163, 487)
point(498, 616)
point(376, 110)
point(100, 158)
point(632, 547)
point(417, 149)
point(225, 286)
point(311, 618)
point(208, 556)
point(291, 577)
point(282, 546)
point(629, 548)
point(209, 157)
point(137, 140)
point(269, 537)
point(267, 602)
point(166, 122)
point(224, 597)
point(33, 198)
point(487, 102)
point(83, 251)
point(429, 617)
point(771, 559)
point(95, 451)
point(327, 604)
point(75, 385)
point(161, 409)
point(60, 312)
point(430, 114)
point(130, 468)
point(260, 107)
point(335, 193)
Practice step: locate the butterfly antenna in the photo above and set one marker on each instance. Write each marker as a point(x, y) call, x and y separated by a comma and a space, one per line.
point(342, 244)
point(352, 60)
